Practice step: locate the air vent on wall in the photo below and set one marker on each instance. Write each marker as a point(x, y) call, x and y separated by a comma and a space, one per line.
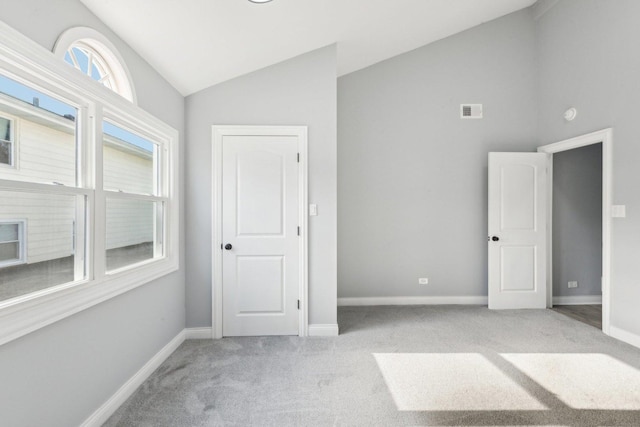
point(470, 111)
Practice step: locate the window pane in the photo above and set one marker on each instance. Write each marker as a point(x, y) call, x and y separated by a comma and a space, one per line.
point(47, 242)
point(9, 251)
point(131, 226)
point(5, 153)
point(129, 161)
point(9, 232)
point(82, 58)
point(44, 136)
point(5, 129)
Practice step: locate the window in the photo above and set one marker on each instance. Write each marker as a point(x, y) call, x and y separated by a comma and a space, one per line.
point(94, 55)
point(86, 59)
point(92, 192)
point(133, 181)
point(6, 141)
point(12, 243)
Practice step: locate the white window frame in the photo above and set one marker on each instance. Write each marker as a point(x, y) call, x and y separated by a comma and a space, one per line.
point(98, 44)
point(161, 184)
point(12, 140)
point(22, 242)
point(29, 63)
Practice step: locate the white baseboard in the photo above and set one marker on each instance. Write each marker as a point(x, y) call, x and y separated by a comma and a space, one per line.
point(578, 300)
point(622, 335)
point(319, 330)
point(205, 333)
point(426, 300)
point(102, 414)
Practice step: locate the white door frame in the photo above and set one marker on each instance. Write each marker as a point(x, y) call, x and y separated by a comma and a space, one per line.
point(605, 137)
point(217, 134)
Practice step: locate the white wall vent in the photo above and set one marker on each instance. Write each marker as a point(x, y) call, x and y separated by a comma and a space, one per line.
point(470, 111)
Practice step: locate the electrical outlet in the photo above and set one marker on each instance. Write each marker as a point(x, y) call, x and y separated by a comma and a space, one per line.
point(573, 284)
point(423, 281)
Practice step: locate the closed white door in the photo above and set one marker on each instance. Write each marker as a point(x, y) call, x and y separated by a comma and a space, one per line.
point(260, 235)
point(517, 230)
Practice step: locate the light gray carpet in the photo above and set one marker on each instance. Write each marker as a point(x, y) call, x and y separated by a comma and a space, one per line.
point(406, 366)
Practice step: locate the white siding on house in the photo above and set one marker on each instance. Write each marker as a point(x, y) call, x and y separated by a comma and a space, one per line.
point(49, 222)
point(130, 171)
point(129, 222)
point(44, 154)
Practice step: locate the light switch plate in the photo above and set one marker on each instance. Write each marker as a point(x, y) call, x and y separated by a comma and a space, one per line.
point(618, 211)
point(313, 210)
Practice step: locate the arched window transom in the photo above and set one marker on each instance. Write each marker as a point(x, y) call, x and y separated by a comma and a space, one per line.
point(95, 56)
point(86, 59)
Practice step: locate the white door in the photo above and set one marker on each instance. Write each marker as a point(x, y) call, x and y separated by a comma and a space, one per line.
point(517, 230)
point(260, 235)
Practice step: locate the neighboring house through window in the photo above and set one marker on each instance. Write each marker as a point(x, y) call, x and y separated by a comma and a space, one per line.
point(12, 242)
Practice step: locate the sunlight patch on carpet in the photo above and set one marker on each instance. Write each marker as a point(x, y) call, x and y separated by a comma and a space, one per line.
point(451, 382)
point(583, 381)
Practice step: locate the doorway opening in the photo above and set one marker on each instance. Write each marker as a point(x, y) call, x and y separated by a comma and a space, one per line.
point(578, 235)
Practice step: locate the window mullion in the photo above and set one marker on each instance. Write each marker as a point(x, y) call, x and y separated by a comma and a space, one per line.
point(84, 177)
point(98, 213)
point(123, 195)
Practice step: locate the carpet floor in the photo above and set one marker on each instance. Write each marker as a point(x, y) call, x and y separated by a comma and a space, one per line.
point(404, 366)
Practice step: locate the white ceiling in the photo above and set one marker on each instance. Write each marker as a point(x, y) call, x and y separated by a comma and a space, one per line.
point(198, 43)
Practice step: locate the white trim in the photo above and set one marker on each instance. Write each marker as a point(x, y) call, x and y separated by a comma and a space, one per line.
point(604, 136)
point(102, 414)
point(217, 133)
point(29, 63)
point(622, 335)
point(320, 330)
point(205, 333)
point(106, 49)
point(24, 314)
point(577, 300)
point(423, 300)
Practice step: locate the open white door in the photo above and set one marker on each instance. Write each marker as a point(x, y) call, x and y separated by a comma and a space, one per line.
point(517, 230)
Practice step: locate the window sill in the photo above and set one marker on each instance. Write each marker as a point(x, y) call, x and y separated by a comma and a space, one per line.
point(22, 315)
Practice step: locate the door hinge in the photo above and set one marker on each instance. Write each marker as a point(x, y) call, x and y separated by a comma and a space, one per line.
point(298, 304)
point(298, 157)
point(298, 230)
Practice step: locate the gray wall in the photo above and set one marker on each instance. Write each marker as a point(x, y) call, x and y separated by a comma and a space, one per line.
point(412, 174)
point(300, 91)
point(58, 375)
point(577, 221)
point(589, 59)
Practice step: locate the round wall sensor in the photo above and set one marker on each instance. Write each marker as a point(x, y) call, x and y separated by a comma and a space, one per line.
point(570, 114)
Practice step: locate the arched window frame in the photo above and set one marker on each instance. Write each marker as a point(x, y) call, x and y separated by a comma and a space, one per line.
point(107, 56)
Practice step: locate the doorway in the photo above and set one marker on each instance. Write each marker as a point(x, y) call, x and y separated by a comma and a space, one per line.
point(259, 225)
point(571, 265)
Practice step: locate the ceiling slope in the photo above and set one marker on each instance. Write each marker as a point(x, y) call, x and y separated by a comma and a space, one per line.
point(195, 44)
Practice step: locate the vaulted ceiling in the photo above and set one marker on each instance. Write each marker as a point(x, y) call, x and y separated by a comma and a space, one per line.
point(195, 44)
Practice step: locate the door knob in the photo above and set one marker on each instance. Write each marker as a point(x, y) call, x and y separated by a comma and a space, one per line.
point(495, 238)
point(228, 246)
